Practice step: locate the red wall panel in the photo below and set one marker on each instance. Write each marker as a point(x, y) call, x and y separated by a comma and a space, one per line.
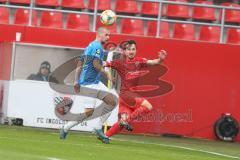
point(5, 60)
point(58, 37)
point(206, 81)
point(8, 32)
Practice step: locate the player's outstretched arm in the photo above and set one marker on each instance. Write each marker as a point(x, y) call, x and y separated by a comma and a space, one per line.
point(77, 76)
point(161, 56)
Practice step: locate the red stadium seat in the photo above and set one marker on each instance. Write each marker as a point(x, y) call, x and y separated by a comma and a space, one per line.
point(184, 31)
point(127, 6)
point(3, 1)
point(22, 17)
point(232, 16)
point(209, 33)
point(78, 22)
point(51, 19)
point(75, 4)
point(20, 1)
point(132, 26)
point(178, 11)
point(164, 29)
point(150, 8)
point(112, 28)
point(4, 15)
point(47, 3)
point(233, 36)
point(204, 13)
point(102, 4)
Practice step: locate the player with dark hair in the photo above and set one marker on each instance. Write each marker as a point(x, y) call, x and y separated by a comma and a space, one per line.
point(130, 105)
point(88, 72)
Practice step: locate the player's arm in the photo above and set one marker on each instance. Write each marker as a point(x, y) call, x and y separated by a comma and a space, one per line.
point(100, 68)
point(77, 76)
point(108, 64)
point(161, 56)
point(105, 64)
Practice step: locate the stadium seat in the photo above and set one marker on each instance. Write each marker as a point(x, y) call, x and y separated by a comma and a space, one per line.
point(184, 31)
point(132, 26)
point(204, 13)
point(232, 16)
point(51, 19)
point(233, 36)
point(150, 8)
point(78, 22)
point(164, 29)
point(126, 6)
point(178, 11)
point(47, 3)
point(112, 28)
point(209, 33)
point(4, 15)
point(3, 1)
point(102, 4)
point(27, 2)
point(22, 17)
point(74, 4)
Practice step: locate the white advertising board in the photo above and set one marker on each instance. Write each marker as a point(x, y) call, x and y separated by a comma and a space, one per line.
point(33, 102)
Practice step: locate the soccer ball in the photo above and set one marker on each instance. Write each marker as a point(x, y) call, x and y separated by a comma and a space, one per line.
point(108, 17)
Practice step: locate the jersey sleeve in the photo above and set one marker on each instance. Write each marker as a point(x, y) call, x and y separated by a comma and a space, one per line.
point(113, 64)
point(108, 64)
point(143, 62)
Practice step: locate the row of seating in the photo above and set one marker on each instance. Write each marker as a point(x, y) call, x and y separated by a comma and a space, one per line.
point(148, 8)
point(181, 31)
point(128, 26)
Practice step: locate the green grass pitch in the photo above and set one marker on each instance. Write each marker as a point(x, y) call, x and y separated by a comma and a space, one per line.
point(25, 143)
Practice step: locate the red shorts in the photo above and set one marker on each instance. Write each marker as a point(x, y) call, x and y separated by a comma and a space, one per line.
point(127, 109)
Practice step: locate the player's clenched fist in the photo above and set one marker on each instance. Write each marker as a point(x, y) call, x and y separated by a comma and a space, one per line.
point(76, 87)
point(162, 54)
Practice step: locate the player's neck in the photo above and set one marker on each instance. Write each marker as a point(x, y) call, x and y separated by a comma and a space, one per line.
point(130, 59)
point(98, 40)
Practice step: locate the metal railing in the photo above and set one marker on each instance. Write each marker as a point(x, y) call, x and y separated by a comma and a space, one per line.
point(159, 18)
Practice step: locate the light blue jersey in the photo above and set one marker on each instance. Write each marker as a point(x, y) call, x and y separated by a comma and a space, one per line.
point(89, 75)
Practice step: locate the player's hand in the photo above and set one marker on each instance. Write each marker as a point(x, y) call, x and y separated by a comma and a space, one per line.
point(76, 87)
point(104, 64)
point(162, 54)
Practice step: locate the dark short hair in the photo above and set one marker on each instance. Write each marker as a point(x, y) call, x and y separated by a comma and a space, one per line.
point(129, 42)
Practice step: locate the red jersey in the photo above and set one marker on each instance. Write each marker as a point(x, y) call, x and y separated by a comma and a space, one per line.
point(128, 70)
